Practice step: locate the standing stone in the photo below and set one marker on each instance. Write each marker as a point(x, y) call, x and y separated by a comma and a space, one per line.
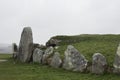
point(14, 47)
point(14, 50)
point(47, 55)
point(74, 60)
point(25, 45)
point(116, 63)
point(37, 55)
point(98, 63)
point(56, 60)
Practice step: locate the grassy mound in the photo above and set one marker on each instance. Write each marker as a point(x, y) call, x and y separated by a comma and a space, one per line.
point(90, 44)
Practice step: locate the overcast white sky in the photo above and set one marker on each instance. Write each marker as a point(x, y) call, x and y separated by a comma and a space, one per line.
point(57, 17)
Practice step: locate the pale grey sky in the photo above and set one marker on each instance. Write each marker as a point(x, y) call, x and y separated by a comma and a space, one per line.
point(57, 17)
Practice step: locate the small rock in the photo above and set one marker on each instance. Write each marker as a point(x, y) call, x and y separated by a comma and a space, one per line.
point(99, 63)
point(56, 60)
point(74, 60)
point(37, 55)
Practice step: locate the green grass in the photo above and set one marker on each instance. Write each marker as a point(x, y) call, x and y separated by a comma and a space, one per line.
point(24, 71)
point(5, 56)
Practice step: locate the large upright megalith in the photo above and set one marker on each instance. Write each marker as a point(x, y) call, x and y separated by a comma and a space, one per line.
point(25, 45)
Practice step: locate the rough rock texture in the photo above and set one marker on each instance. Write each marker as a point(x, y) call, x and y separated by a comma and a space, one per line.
point(74, 60)
point(14, 47)
point(116, 63)
point(52, 42)
point(25, 45)
point(47, 54)
point(98, 63)
point(14, 50)
point(56, 60)
point(37, 55)
point(15, 55)
point(35, 45)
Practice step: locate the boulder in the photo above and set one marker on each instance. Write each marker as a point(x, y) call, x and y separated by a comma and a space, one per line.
point(74, 60)
point(56, 60)
point(52, 42)
point(116, 63)
point(99, 63)
point(25, 45)
point(37, 55)
point(47, 55)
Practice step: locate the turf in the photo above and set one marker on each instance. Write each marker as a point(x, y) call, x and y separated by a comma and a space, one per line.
point(5, 56)
point(23, 71)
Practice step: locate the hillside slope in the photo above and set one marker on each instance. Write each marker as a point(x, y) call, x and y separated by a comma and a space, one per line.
point(90, 44)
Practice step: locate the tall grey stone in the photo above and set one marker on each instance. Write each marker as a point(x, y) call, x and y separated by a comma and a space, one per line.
point(37, 55)
point(116, 63)
point(98, 63)
point(56, 60)
point(74, 60)
point(25, 45)
point(47, 54)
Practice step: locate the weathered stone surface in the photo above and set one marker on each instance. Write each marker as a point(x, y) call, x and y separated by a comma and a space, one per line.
point(99, 63)
point(116, 63)
point(37, 55)
point(14, 50)
point(43, 47)
point(25, 45)
point(14, 47)
point(52, 42)
point(56, 60)
point(14, 56)
point(74, 60)
point(47, 54)
point(36, 45)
